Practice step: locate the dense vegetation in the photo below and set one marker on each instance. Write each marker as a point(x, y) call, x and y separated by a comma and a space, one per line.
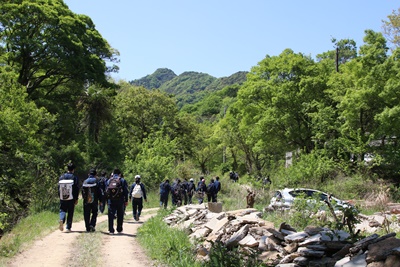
point(59, 104)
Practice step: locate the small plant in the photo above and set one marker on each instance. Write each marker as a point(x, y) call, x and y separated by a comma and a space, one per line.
point(220, 256)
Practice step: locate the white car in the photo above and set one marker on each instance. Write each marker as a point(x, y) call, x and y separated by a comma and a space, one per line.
point(284, 199)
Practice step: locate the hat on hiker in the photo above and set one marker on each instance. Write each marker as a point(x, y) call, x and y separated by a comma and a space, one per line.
point(92, 172)
point(137, 177)
point(191, 179)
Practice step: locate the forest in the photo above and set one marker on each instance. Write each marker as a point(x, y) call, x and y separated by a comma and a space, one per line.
point(337, 114)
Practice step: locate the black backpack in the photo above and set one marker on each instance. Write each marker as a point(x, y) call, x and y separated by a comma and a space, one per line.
point(114, 189)
point(210, 188)
point(190, 188)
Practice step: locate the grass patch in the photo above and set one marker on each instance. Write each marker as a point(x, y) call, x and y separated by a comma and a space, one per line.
point(26, 231)
point(86, 248)
point(165, 244)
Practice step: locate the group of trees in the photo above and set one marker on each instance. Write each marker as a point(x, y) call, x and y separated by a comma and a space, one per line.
point(59, 104)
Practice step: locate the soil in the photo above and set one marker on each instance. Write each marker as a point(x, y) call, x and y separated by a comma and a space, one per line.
point(56, 249)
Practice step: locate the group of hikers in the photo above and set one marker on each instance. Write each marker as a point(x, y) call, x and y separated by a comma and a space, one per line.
point(183, 191)
point(97, 192)
point(113, 191)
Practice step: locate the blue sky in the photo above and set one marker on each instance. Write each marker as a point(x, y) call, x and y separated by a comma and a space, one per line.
point(221, 37)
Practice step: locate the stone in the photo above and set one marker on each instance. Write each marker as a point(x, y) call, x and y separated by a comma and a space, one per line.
point(380, 250)
point(276, 234)
point(215, 207)
point(200, 233)
point(334, 235)
point(236, 237)
point(302, 261)
point(392, 261)
point(296, 237)
point(248, 241)
point(313, 230)
point(291, 247)
point(305, 252)
point(289, 258)
point(261, 244)
point(311, 240)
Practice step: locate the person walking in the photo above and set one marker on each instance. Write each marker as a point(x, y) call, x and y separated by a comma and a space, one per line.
point(92, 197)
point(117, 199)
point(184, 191)
point(137, 193)
point(217, 185)
point(191, 190)
point(211, 191)
point(68, 189)
point(201, 190)
point(102, 184)
point(165, 188)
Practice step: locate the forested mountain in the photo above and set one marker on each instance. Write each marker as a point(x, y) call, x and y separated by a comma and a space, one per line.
point(188, 87)
point(156, 79)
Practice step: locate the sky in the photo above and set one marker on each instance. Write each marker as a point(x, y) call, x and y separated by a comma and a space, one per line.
point(221, 37)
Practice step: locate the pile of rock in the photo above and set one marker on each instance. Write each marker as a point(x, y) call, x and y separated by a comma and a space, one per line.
point(315, 246)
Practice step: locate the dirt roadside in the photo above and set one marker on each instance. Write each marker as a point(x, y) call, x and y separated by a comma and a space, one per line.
point(55, 249)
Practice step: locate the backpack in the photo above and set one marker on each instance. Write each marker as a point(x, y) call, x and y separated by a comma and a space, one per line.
point(65, 188)
point(176, 190)
point(89, 190)
point(137, 191)
point(190, 188)
point(210, 188)
point(114, 189)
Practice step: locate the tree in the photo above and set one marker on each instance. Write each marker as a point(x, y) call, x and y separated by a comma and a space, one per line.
point(96, 108)
point(345, 50)
point(22, 151)
point(391, 28)
point(357, 90)
point(140, 112)
point(48, 45)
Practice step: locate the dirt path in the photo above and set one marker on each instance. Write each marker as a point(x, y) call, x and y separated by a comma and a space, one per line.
point(56, 248)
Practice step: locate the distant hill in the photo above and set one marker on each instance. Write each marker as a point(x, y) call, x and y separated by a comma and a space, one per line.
point(155, 80)
point(188, 87)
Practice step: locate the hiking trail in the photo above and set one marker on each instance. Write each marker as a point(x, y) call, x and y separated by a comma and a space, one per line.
point(58, 248)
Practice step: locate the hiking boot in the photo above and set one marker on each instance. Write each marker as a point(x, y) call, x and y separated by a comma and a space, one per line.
point(61, 225)
point(68, 230)
point(110, 233)
point(92, 229)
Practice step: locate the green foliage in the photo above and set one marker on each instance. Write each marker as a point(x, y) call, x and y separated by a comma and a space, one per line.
point(26, 231)
point(220, 256)
point(48, 45)
point(391, 28)
point(307, 169)
point(155, 162)
point(156, 79)
point(175, 248)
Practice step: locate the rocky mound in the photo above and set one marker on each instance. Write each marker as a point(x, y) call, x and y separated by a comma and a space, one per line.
point(315, 246)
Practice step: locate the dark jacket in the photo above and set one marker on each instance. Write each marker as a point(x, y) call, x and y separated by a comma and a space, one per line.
point(211, 188)
point(124, 185)
point(191, 188)
point(96, 190)
point(75, 186)
point(143, 190)
point(217, 186)
point(165, 188)
point(201, 187)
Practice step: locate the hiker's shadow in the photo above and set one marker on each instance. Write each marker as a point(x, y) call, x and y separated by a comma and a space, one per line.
point(133, 222)
point(119, 234)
